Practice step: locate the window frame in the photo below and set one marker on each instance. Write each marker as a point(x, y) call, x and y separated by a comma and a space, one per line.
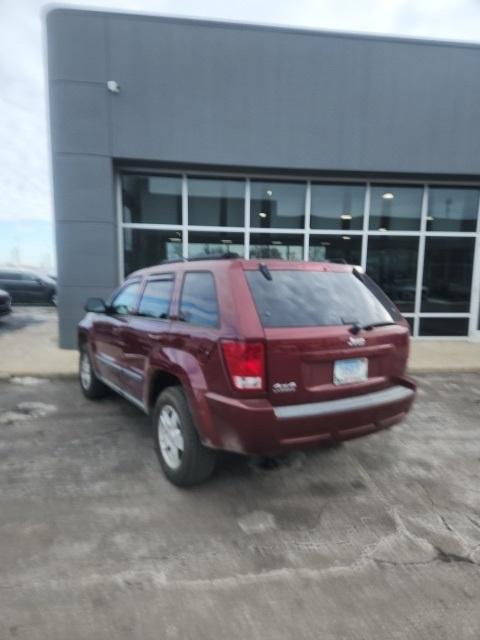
point(180, 296)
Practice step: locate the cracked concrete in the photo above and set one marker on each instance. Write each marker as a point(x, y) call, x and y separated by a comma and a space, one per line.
point(378, 539)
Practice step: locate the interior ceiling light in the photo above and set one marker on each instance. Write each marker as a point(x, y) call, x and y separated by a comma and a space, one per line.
point(346, 238)
point(346, 216)
point(325, 244)
point(276, 242)
point(388, 195)
point(430, 218)
point(262, 214)
point(382, 229)
point(269, 193)
point(226, 241)
point(175, 239)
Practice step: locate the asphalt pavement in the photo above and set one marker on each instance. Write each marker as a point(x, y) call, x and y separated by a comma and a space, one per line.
point(376, 539)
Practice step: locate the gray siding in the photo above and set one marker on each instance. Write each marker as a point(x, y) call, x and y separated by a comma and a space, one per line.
point(228, 95)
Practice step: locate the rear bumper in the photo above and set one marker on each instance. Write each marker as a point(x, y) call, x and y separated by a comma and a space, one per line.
point(257, 427)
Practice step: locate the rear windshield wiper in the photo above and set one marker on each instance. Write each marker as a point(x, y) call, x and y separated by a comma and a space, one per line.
point(265, 271)
point(371, 325)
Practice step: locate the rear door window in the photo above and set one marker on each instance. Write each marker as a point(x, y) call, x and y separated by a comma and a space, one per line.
point(198, 303)
point(156, 298)
point(314, 298)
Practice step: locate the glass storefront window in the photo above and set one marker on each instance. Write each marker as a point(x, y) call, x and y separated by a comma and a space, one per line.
point(147, 247)
point(392, 263)
point(395, 208)
point(277, 204)
point(336, 248)
point(216, 202)
point(214, 243)
point(447, 274)
point(451, 209)
point(152, 199)
point(443, 326)
point(337, 206)
point(277, 230)
point(281, 245)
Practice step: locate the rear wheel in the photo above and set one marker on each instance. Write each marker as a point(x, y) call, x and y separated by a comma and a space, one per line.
point(183, 458)
point(92, 387)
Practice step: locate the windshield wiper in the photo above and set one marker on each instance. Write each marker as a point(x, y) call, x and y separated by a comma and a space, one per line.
point(372, 325)
point(357, 327)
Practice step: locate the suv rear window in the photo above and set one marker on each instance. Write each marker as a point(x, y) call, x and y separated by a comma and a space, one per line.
point(314, 298)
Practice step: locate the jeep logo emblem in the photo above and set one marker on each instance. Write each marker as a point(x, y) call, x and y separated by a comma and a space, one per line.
point(356, 342)
point(284, 387)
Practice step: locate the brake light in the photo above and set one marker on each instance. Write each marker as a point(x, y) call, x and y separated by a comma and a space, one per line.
point(245, 363)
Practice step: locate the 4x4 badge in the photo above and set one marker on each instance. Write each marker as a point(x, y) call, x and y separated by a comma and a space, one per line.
point(356, 342)
point(284, 387)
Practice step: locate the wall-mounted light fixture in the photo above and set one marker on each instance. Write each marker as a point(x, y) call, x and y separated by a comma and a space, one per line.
point(113, 86)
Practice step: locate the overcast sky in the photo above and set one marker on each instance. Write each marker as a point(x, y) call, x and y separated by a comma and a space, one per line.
point(24, 156)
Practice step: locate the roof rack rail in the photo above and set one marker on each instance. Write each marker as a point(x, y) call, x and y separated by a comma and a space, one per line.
point(172, 260)
point(215, 256)
point(205, 256)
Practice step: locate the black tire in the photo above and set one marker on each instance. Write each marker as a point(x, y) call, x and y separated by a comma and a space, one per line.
point(92, 388)
point(196, 462)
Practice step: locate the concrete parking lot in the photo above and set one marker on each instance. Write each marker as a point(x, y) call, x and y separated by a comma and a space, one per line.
point(377, 539)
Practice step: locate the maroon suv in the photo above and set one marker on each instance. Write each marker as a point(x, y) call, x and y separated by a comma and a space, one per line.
point(255, 357)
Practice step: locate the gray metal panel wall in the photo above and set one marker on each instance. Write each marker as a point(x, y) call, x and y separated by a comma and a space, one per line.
point(197, 92)
point(85, 213)
point(273, 98)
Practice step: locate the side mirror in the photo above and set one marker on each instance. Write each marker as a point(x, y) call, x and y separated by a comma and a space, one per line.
point(95, 305)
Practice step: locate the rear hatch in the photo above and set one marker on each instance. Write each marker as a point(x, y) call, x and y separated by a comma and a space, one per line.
point(329, 333)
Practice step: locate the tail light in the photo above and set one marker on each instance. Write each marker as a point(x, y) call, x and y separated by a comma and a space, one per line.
point(246, 364)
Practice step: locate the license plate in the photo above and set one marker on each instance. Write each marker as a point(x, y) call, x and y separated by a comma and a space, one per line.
point(351, 370)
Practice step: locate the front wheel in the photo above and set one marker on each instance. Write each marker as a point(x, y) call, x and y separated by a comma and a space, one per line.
point(92, 387)
point(183, 458)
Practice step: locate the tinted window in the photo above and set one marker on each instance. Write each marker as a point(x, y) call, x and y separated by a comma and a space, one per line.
point(392, 263)
point(443, 326)
point(452, 209)
point(337, 206)
point(155, 302)
point(198, 304)
point(447, 275)
point(152, 199)
point(124, 302)
point(314, 298)
point(335, 248)
point(276, 246)
point(147, 247)
point(395, 208)
point(277, 204)
point(204, 243)
point(216, 202)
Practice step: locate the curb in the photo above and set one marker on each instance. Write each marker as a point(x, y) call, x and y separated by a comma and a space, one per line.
point(43, 375)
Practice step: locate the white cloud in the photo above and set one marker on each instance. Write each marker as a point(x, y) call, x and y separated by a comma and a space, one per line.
point(24, 156)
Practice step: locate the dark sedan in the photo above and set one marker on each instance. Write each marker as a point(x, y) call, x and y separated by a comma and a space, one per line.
point(5, 303)
point(28, 287)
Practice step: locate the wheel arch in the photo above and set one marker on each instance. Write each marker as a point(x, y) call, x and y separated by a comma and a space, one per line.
point(161, 379)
